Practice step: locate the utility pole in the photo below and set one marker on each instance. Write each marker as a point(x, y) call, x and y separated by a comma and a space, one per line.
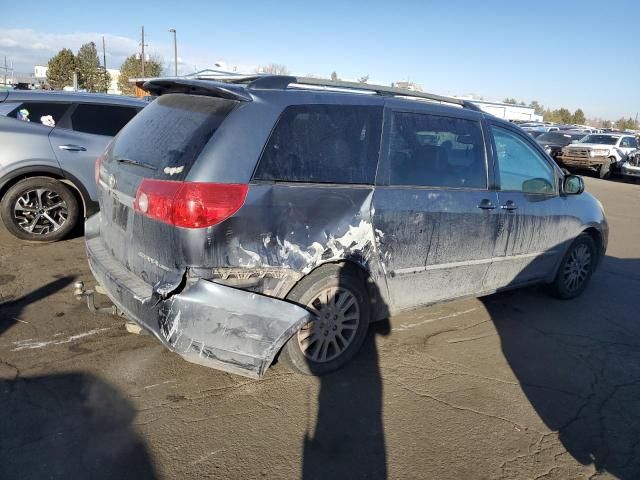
point(104, 55)
point(142, 57)
point(104, 64)
point(6, 69)
point(175, 50)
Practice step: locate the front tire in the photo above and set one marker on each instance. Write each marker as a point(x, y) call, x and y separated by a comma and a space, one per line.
point(605, 170)
point(337, 297)
point(576, 268)
point(39, 209)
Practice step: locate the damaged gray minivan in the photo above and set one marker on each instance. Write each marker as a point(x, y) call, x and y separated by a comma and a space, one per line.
point(272, 215)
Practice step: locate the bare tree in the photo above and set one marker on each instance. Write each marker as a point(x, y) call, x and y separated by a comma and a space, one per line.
point(273, 69)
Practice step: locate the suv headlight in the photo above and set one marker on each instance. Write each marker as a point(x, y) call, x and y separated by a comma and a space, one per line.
point(599, 153)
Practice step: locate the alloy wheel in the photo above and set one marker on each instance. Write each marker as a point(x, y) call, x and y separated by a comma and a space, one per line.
point(329, 334)
point(576, 270)
point(40, 211)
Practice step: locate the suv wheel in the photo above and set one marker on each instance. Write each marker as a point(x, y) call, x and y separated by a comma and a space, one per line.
point(337, 297)
point(576, 268)
point(39, 209)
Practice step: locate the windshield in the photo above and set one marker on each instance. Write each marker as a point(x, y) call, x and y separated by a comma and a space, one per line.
point(555, 137)
point(600, 139)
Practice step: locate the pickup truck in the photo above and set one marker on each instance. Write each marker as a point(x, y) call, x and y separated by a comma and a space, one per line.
point(602, 152)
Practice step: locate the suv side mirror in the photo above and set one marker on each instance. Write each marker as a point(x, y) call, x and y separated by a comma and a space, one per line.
point(573, 185)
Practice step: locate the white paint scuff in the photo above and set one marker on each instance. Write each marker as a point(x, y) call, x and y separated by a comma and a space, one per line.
point(356, 238)
point(31, 344)
point(173, 170)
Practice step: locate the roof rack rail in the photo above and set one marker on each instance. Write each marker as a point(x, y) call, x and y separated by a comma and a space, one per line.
point(275, 82)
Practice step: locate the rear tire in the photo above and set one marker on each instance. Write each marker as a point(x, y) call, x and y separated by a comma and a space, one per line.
point(576, 268)
point(39, 209)
point(338, 298)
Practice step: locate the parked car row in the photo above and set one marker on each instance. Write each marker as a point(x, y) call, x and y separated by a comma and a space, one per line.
point(604, 153)
point(261, 218)
point(534, 128)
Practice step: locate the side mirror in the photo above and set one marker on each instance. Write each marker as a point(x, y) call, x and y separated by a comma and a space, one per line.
point(573, 185)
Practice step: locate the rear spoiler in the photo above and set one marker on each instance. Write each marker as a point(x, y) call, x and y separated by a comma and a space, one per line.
point(235, 87)
point(161, 86)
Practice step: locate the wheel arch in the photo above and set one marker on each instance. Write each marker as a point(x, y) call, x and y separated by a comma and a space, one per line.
point(79, 191)
point(379, 310)
point(596, 236)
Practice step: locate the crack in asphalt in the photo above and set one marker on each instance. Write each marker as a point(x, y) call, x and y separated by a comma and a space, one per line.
point(466, 409)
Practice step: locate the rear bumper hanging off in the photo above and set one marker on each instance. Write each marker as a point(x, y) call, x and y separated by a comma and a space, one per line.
point(207, 323)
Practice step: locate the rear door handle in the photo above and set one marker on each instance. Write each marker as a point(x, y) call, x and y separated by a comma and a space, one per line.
point(486, 204)
point(72, 148)
point(509, 205)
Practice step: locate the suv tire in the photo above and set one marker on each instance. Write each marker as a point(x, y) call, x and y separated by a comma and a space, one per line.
point(39, 209)
point(605, 169)
point(576, 268)
point(338, 296)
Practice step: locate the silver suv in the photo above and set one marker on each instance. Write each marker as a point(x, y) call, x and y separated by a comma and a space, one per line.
point(48, 145)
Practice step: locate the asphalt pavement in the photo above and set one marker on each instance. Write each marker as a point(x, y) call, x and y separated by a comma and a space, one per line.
point(514, 385)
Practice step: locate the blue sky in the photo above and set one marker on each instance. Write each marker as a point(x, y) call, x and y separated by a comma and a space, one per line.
point(561, 53)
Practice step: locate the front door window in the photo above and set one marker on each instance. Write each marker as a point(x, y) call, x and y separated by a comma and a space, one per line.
point(521, 168)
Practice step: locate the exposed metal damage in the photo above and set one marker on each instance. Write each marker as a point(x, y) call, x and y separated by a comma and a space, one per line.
point(228, 329)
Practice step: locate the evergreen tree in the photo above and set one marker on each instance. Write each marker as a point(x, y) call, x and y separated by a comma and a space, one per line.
point(132, 68)
point(91, 75)
point(61, 69)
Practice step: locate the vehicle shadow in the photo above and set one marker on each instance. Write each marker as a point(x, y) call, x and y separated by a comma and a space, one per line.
point(68, 426)
point(578, 363)
point(348, 440)
point(10, 310)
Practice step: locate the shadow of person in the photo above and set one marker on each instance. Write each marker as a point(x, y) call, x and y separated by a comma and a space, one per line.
point(68, 426)
point(10, 310)
point(578, 363)
point(348, 438)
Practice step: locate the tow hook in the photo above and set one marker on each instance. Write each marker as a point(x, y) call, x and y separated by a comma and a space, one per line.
point(90, 295)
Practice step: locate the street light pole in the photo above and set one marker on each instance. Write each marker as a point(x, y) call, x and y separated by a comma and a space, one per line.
point(175, 50)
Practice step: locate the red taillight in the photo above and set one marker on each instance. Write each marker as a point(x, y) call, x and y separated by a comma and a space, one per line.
point(189, 204)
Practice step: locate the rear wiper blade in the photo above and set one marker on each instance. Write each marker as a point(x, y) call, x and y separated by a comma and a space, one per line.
point(130, 161)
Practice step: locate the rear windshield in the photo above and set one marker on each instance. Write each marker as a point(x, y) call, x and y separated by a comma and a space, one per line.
point(323, 144)
point(170, 132)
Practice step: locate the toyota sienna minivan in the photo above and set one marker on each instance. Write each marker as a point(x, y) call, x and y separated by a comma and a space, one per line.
point(279, 216)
